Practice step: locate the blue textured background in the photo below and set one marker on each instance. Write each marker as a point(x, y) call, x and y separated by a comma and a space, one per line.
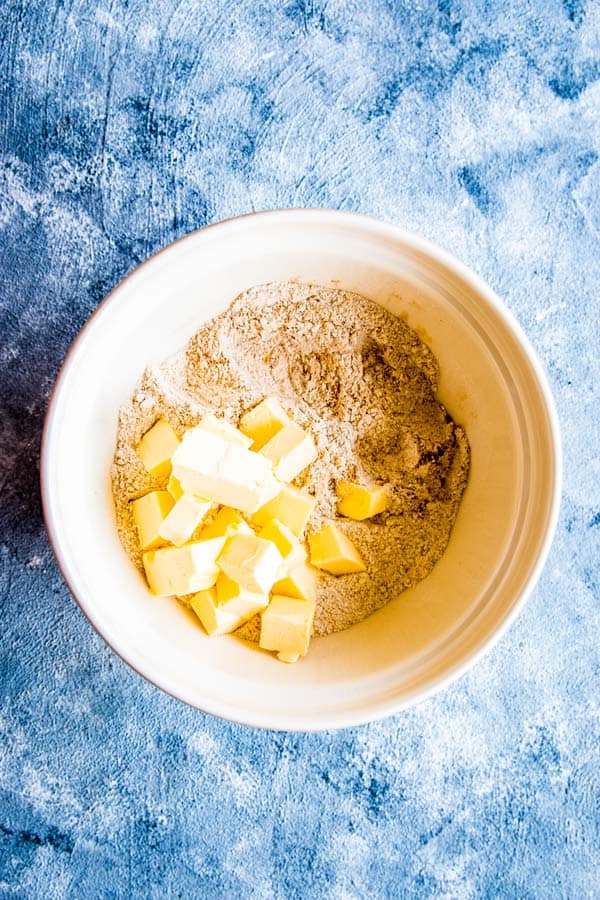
point(124, 125)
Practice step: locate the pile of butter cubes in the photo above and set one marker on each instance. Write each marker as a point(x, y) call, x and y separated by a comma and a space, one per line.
point(228, 531)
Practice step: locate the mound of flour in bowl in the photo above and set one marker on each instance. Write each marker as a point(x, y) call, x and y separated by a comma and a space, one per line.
point(363, 383)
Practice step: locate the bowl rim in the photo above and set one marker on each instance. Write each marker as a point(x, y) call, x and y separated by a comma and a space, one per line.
point(388, 706)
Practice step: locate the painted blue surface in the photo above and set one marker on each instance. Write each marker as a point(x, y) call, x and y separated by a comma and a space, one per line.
point(124, 125)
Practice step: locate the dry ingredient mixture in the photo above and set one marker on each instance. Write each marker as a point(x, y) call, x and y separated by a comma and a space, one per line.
point(363, 383)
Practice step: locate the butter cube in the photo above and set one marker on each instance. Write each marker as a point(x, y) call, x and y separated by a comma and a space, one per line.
point(183, 570)
point(156, 448)
point(227, 521)
point(360, 502)
point(264, 421)
point(204, 604)
point(174, 488)
point(291, 506)
point(286, 625)
point(220, 470)
point(285, 540)
point(332, 551)
point(224, 429)
point(251, 561)
point(184, 518)
point(300, 582)
point(149, 512)
point(291, 450)
point(225, 607)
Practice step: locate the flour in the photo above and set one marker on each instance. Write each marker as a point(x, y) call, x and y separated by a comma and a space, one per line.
point(363, 383)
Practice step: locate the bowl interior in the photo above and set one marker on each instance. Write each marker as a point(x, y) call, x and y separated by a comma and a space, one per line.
point(489, 383)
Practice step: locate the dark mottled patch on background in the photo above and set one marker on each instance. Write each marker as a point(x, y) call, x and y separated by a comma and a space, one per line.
point(542, 749)
point(583, 162)
point(193, 210)
point(431, 79)
point(475, 61)
point(378, 791)
point(152, 832)
point(305, 13)
point(575, 10)
point(173, 747)
point(53, 838)
point(590, 579)
point(241, 157)
point(471, 181)
point(371, 785)
point(388, 96)
point(426, 78)
point(433, 833)
point(334, 25)
point(426, 884)
point(449, 18)
point(569, 83)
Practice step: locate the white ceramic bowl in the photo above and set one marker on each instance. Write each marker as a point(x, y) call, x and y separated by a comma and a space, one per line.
point(491, 382)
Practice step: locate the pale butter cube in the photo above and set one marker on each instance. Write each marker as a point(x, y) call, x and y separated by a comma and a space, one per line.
point(174, 488)
point(149, 512)
point(227, 522)
point(184, 518)
point(224, 429)
point(252, 562)
point(183, 570)
point(291, 450)
point(286, 625)
point(226, 606)
point(157, 447)
point(300, 582)
point(291, 506)
point(263, 422)
point(357, 501)
point(332, 551)
point(286, 542)
point(220, 470)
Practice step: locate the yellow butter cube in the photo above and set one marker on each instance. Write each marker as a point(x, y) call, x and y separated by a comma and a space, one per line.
point(174, 488)
point(209, 465)
point(227, 521)
point(300, 582)
point(288, 657)
point(156, 448)
point(291, 450)
point(225, 607)
point(251, 561)
point(184, 518)
point(264, 421)
point(148, 515)
point(357, 501)
point(229, 590)
point(286, 625)
point(291, 506)
point(286, 542)
point(332, 551)
point(204, 604)
point(224, 429)
point(183, 570)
